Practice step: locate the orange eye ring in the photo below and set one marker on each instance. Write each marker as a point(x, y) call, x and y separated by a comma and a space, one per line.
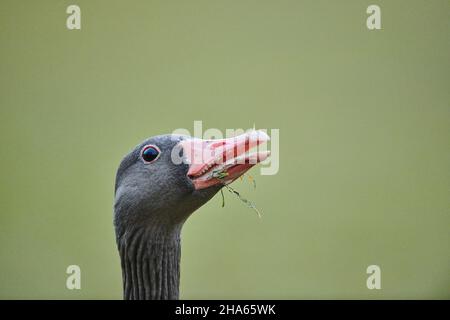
point(150, 153)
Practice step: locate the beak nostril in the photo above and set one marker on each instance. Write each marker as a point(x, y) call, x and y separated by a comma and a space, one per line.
point(218, 144)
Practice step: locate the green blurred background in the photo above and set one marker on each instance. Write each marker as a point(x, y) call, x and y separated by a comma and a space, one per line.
point(364, 139)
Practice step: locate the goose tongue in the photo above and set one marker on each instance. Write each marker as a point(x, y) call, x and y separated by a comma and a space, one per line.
point(221, 161)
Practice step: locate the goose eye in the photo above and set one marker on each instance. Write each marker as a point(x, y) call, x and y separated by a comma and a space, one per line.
point(150, 153)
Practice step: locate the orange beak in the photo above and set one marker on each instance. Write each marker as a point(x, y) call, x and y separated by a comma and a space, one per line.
point(221, 161)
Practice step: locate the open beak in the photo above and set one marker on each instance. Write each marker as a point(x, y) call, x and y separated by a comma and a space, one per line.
point(221, 161)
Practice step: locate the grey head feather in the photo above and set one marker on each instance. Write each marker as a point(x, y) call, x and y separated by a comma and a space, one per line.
point(158, 195)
